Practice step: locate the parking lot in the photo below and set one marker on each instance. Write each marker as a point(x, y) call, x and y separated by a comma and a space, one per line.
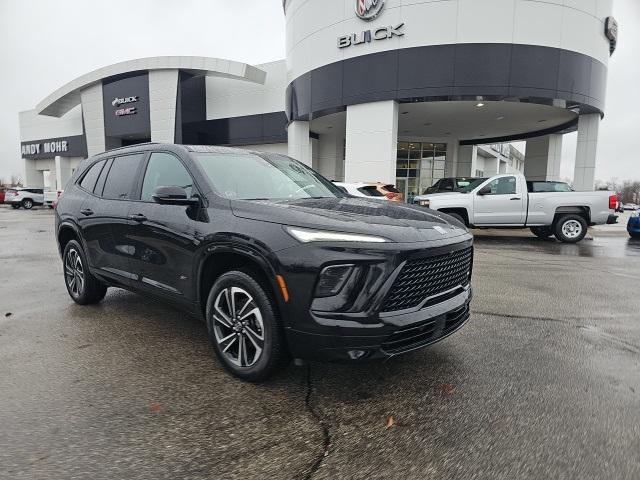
point(543, 382)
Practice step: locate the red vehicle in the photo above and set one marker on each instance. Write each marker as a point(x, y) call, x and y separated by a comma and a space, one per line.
point(1, 195)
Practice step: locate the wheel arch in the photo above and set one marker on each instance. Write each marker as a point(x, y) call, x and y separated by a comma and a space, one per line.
point(221, 259)
point(67, 231)
point(463, 212)
point(584, 212)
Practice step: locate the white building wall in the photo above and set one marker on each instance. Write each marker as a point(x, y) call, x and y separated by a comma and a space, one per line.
point(38, 127)
point(93, 111)
point(313, 27)
point(163, 92)
point(228, 98)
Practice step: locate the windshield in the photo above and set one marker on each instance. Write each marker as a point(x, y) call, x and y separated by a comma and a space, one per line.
point(246, 176)
point(467, 184)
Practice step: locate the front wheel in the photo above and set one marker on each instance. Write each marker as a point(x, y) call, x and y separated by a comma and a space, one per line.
point(570, 228)
point(542, 232)
point(82, 286)
point(244, 327)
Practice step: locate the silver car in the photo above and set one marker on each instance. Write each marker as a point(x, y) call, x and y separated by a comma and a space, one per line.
point(25, 197)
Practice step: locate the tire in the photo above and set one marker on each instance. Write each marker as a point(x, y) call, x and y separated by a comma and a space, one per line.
point(27, 204)
point(82, 286)
point(252, 350)
point(570, 228)
point(635, 235)
point(15, 206)
point(542, 232)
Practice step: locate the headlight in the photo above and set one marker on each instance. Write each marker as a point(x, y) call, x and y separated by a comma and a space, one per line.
point(306, 235)
point(635, 214)
point(424, 203)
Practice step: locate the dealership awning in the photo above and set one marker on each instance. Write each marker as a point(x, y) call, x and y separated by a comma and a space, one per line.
point(68, 96)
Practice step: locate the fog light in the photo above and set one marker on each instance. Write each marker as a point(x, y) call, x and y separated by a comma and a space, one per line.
point(356, 354)
point(332, 279)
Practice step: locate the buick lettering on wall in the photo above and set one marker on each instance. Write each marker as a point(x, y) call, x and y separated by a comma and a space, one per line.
point(368, 10)
point(121, 112)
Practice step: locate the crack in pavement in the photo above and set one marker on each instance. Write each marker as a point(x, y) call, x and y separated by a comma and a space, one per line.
point(322, 423)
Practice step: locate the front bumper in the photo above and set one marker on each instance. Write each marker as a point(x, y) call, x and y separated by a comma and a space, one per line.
point(399, 334)
point(633, 225)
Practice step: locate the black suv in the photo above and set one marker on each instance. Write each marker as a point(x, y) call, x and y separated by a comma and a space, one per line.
point(278, 261)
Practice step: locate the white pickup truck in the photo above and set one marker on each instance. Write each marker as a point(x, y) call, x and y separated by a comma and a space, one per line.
point(503, 201)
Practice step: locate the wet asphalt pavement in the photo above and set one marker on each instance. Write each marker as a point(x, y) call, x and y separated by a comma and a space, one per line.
point(543, 382)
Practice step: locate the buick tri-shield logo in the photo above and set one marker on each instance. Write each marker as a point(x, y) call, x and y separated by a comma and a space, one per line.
point(369, 9)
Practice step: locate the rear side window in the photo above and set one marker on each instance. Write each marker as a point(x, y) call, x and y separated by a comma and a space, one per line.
point(89, 179)
point(391, 188)
point(370, 190)
point(122, 177)
point(102, 178)
point(165, 170)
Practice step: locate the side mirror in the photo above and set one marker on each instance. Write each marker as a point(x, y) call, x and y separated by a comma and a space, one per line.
point(173, 195)
point(486, 190)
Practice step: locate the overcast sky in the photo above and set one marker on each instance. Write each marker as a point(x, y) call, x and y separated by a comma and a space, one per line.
point(46, 43)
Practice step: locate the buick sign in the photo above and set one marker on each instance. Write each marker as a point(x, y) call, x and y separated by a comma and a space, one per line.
point(369, 9)
point(121, 101)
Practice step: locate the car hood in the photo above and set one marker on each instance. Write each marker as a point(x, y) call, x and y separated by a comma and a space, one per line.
point(397, 222)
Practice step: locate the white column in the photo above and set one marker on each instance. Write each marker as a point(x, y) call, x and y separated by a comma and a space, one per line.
point(163, 92)
point(586, 152)
point(543, 158)
point(299, 146)
point(32, 176)
point(63, 172)
point(372, 142)
point(331, 156)
point(466, 160)
point(93, 115)
point(451, 160)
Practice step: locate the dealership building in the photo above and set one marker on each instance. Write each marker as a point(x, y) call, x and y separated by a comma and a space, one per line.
point(398, 91)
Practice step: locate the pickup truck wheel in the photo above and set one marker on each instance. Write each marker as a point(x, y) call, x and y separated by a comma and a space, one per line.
point(542, 232)
point(457, 217)
point(244, 327)
point(27, 204)
point(570, 228)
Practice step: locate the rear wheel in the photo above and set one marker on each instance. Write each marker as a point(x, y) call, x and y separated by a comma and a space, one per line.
point(82, 286)
point(15, 206)
point(244, 327)
point(27, 204)
point(635, 235)
point(542, 232)
point(570, 228)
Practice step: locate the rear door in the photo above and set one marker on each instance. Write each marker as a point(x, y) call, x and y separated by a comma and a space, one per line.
point(504, 205)
point(165, 236)
point(104, 217)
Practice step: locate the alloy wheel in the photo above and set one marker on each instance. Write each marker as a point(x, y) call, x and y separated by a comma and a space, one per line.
point(74, 272)
point(238, 326)
point(572, 229)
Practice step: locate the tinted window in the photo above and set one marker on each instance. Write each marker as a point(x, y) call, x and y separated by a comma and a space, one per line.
point(122, 176)
point(370, 190)
point(392, 188)
point(165, 170)
point(89, 179)
point(446, 184)
point(101, 179)
point(503, 186)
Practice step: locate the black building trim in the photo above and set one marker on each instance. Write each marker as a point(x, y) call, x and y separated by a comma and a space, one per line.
point(247, 130)
point(73, 146)
point(494, 71)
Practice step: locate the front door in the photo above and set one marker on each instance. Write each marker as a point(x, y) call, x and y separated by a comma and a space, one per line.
point(165, 236)
point(504, 204)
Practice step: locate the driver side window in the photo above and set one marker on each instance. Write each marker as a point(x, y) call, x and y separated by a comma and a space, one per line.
point(503, 186)
point(165, 170)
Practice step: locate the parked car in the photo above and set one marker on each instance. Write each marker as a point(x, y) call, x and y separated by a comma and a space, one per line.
point(2, 193)
point(276, 259)
point(620, 207)
point(460, 184)
point(361, 189)
point(390, 191)
point(539, 186)
point(630, 206)
point(633, 225)
point(25, 197)
point(51, 197)
point(504, 201)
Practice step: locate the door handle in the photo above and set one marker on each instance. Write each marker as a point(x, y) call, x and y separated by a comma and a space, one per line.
point(137, 217)
point(516, 198)
point(86, 211)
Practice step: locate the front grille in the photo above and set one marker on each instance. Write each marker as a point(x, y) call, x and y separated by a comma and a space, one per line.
point(427, 332)
point(429, 277)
